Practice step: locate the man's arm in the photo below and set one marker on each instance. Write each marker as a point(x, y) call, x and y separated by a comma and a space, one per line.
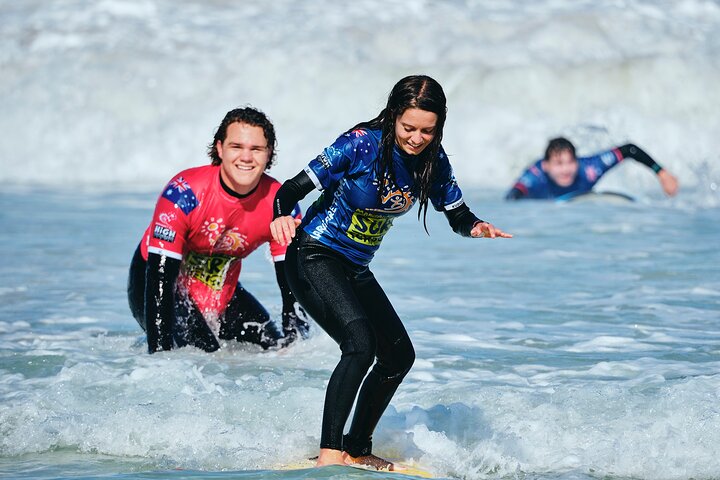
point(638, 154)
point(532, 183)
point(668, 181)
point(292, 323)
point(161, 273)
point(516, 193)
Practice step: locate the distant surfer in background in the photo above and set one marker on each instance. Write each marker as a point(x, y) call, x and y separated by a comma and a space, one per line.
point(371, 175)
point(183, 284)
point(561, 175)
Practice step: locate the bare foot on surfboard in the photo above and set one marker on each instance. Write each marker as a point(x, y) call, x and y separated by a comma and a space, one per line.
point(373, 461)
point(329, 456)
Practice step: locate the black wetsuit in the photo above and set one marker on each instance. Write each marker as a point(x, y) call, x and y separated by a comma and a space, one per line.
point(244, 319)
point(183, 284)
point(534, 183)
point(338, 289)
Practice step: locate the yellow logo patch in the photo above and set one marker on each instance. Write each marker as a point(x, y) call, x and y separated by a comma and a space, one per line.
point(368, 228)
point(209, 269)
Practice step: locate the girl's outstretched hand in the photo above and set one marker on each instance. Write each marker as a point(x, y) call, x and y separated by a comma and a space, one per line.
point(487, 230)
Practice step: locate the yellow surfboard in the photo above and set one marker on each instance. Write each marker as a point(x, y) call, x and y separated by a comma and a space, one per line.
point(409, 470)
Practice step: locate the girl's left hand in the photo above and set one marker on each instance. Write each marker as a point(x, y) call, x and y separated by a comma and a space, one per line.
point(283, 229)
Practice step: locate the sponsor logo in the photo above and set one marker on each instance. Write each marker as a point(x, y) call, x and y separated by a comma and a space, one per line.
point(212, 228)
point(163, 233)
point(222, 240)
point(368, 228)
point(230, 242)
point(167, 217)
point(591, 174)
point(455, 204)
point(208, 269)
point(324, 160)
point(394, 200)
point(608, 158)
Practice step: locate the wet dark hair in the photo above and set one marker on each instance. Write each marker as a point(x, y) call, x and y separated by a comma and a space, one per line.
point(250, 116)
point(557, 145)
point(415, 91)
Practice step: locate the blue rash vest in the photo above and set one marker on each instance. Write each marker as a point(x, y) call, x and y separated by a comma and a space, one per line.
point(348, 216)
point(535, 183)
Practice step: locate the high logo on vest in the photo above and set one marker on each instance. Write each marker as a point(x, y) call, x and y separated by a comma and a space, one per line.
point(166, 234)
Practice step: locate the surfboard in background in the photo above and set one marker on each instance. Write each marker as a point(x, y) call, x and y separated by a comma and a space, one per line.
point(597, 197)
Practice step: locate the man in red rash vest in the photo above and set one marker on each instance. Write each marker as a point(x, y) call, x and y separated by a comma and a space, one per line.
point(183, 284)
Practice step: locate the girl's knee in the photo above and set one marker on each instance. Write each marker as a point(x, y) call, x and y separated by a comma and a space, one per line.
point(359, 342)
point(404, 362)
point(400, 360)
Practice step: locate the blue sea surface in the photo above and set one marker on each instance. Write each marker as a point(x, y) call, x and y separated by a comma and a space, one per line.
point(585, 347)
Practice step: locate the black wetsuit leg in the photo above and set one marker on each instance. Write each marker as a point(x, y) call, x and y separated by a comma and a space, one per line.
point(246, 320)
point(395, 356)
point(189, 327)
point(136, 287)
point(349, 304)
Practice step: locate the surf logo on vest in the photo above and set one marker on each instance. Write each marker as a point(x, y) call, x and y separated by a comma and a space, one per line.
point(370, 226)
point(394, 200)
point(221, 240)
point(397, 201)
point(208, 269)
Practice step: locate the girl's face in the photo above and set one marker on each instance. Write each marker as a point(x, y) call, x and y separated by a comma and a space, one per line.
point(414, 130)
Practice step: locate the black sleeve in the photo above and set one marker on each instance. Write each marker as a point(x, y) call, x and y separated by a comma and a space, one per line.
point(160, 276)
point(290, 193)
point(292, 323)
point(462, 220)
point(633, 151)
point(288, 299)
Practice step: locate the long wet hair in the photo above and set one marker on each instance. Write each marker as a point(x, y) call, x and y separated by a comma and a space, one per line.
point(250, 116)
point(415, 91)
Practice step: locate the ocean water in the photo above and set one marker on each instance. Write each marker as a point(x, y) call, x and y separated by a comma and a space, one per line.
point(587, 347)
